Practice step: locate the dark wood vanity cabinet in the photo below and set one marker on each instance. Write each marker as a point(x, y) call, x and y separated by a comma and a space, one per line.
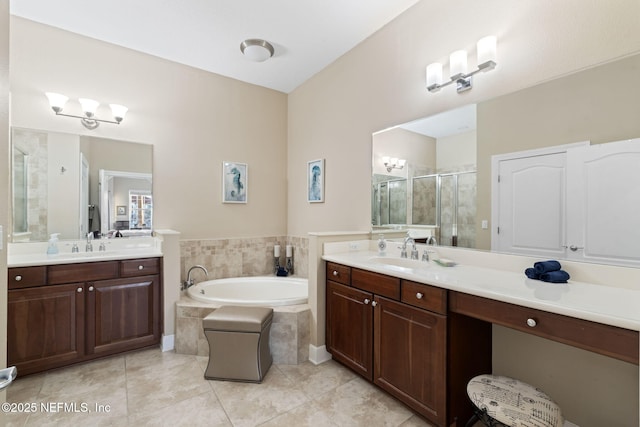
point(395, 333)
point(45, 327)
point(63, 314)
point(122, 314)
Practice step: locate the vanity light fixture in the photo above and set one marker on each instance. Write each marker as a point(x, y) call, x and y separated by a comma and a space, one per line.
point(257, 50)
point(89, 107)
point(393, 163)
point(458, 66)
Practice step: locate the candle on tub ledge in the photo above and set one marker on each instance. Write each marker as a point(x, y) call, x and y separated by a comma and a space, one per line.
point(276, 251)
point(289, 251)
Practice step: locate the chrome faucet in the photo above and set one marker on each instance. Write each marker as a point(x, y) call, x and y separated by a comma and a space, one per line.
point(189, 282)
point(74, 248)
point(414, 251)
point(431, 240)
point(89, 247)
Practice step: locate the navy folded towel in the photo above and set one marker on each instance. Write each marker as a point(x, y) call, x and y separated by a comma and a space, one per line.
point(531, 273)
point(558, 276)
point(546, 266)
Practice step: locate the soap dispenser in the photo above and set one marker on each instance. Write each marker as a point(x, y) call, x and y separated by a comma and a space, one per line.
point(52, 249)
point(382, 245)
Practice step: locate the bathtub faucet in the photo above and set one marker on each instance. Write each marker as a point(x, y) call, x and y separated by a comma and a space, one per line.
point(189, 282)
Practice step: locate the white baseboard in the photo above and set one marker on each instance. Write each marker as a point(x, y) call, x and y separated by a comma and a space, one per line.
point(168, 342)
point(318, 355)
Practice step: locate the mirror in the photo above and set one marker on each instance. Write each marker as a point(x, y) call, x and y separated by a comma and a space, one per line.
point(56, 186)
point(570, 109)
point(424, 176)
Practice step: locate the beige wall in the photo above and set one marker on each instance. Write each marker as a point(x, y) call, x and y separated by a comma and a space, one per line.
point(457, 153)
point(4, 179)
point(381, 83)
point(194, 120)
point(418, 150)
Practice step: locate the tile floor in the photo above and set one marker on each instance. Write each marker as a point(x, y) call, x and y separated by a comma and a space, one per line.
point(151, 388)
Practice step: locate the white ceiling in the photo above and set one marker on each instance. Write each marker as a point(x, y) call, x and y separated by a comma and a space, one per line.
point(449, 123)
point(307, 34)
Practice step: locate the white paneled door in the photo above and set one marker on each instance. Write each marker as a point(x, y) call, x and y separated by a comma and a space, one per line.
point(581, 202)
point(531, 210)
point(603, 203)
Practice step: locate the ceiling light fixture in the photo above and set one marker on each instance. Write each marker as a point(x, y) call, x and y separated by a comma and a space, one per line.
point(89, 107)
point(257, 50)
point(458, 66)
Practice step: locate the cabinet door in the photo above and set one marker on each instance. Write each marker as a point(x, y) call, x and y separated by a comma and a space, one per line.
point(45, 327)
point(409, 354)
point(349, 327)
point(122, 314)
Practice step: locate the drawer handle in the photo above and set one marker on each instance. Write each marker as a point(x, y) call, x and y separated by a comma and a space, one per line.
point(140, 267)
point(79, 289)
point(366, 301)
point(335, 273)
point(91, 288)
point(374, 303)
point(18, 278)
point(531, 323)
point(419, 295)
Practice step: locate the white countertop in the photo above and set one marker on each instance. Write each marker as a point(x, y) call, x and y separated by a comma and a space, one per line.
point(34, 253)
point(598, 303)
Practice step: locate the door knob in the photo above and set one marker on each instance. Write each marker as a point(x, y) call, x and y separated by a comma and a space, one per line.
point(91, 288)
point(531, 323)
point(373, 304)
point(79, 289)
point(18, 278)
point(366, 301)
point(335, 273)
point(419, 295)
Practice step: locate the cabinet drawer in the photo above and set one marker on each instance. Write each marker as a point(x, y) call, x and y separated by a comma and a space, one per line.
point(27, 277)
point(424, 296)
point(71, 273)
point(376, 283)
point(339, 273)
point(611, 341)
point(139, 267)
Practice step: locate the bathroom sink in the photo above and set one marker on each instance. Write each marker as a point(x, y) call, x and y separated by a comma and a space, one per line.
point(399, 262)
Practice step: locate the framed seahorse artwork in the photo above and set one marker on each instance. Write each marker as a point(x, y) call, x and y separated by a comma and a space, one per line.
point(315, 181)
point(234, 182)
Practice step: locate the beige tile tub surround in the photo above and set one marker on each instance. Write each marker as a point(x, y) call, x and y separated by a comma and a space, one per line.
point(240, 257)
point(243, 257)
point(288, 338)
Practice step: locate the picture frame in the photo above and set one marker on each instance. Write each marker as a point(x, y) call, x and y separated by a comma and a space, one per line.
point(235, 182)
point(121, 210)
point(315, 181)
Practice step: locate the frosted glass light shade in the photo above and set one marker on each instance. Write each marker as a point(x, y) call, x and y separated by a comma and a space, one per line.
point(56, 100)
point(89, 106)
point(486, 49)
point(118, 111)
point(434, 74)
point(458, 63)
point(257, 50)
point(256, 53)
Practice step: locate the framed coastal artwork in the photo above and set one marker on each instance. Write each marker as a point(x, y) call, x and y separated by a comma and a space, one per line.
point(315, 181)
point(234, 182)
